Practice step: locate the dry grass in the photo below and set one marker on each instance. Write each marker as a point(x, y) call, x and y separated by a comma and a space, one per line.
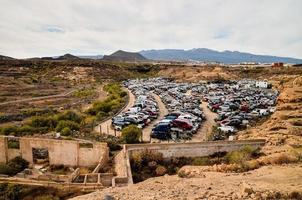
point(281, 158)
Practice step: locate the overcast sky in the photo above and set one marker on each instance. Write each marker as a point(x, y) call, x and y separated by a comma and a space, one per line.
point(30, 28)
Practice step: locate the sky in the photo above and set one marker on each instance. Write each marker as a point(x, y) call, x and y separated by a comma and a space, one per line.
point(35, 28)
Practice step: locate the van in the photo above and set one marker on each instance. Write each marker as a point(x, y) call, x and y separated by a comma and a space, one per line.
point(161, 131)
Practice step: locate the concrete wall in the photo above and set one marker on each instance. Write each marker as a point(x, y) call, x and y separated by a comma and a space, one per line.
point(13, 153)
point(122, 161)
point(66, 152)
point(88, 156)
point(195, 149)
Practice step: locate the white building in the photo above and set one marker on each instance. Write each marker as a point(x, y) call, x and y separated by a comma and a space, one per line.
point(262, 84)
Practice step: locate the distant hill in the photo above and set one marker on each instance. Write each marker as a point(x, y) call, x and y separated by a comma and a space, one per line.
point(6, 58)
point(94, 57)
point(67, 57)
point(208, 55)
point(124, 56)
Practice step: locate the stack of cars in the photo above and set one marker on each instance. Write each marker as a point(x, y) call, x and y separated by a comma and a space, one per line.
point(238, 104)
point(144, 110)
point(185, 115)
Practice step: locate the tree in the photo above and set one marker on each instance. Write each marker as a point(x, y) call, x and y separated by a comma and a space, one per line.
point(131, 134)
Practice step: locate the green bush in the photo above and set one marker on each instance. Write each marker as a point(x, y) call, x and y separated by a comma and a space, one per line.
point(70, 116)
point(84, 92)
point(26, 129)
point(66, 123)
point(111, 104)
point(66, 131)
point(241, 156)
point(200, 161)
point(10, 191)
point(41, 121)
point(131, 134)
point(14, 166)
point(7, 130)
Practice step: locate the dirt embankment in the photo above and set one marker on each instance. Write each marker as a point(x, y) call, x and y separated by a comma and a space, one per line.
point(258, 184)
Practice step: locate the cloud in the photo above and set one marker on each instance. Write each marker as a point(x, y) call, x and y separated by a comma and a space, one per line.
point(43, 27)
point(53, 29)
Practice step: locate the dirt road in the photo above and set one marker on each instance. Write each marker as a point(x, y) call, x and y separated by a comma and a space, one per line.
point(206, 126)
point(105, 127)
point(39, 98)
point(162, 112)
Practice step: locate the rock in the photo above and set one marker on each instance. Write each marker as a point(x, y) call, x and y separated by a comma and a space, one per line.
point(245, 189)
point(108, 197)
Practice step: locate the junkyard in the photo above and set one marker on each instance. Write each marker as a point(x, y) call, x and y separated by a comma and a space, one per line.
point(237, 103)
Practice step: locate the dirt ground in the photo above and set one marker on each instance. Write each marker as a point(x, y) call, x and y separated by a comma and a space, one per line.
point(206, 127)
point(211, 185)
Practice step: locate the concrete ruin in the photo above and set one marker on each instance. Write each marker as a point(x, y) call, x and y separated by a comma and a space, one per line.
point(169, 150)
point(60, 152)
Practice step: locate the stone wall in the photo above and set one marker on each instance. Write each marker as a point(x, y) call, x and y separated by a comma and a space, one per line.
point(61, 152)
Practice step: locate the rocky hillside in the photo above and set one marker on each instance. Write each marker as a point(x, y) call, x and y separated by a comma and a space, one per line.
point(5, 58)
point(124, 56)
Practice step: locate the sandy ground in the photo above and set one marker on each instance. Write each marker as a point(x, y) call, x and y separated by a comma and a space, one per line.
point(211, 185)
point(206, 126)
point(106, 128)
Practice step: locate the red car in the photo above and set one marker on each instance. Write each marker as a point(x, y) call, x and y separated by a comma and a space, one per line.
point(182, 123)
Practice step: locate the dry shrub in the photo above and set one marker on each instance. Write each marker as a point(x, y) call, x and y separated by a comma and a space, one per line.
point(160, 170)
point(182, 174)
point(282, 158)
point(251, 165)
point(241, 156)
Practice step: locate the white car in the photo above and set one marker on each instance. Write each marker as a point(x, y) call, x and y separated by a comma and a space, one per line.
point(227, 129)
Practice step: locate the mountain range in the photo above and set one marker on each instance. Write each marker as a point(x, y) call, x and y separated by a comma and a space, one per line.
point(200, 54)
point(208, 55)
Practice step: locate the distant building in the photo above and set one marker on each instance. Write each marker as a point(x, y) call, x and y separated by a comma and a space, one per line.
point(263, 84)
point(277, 64)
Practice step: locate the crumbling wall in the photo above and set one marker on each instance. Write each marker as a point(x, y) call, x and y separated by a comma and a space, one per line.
point(88, 156)
point(13, 153)
point(61, 152)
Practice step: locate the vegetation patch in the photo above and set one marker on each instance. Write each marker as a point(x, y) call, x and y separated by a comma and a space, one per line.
point(112, 104)
point(147, 163)
point(84, 92)
point(17, 192)
point(131, 134)
point(14, 166)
